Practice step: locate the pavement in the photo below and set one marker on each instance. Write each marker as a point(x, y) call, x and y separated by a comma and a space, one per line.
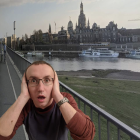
point(9, 91)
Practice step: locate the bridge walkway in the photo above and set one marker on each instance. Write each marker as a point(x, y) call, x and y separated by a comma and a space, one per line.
point(9, 91)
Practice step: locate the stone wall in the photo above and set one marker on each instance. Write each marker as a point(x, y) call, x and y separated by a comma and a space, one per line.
point(75, 47)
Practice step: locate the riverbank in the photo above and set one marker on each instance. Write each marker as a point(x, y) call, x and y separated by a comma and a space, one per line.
point(111, 74)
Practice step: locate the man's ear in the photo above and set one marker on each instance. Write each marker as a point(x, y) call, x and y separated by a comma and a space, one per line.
point(26, 78)
point(25, 75)
point(54, 74)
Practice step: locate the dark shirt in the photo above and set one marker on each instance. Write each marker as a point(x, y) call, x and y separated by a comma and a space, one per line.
point(45, 125)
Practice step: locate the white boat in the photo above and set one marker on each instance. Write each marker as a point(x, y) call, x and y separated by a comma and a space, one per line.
point(29, 53)
point(134, 54)
point(34, 53)
point(100, 52)
point(19, 53)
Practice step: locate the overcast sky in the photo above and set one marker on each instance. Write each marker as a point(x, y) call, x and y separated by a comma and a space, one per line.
point(38, 14)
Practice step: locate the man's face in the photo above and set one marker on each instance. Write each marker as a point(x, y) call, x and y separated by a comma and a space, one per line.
point(39, 72)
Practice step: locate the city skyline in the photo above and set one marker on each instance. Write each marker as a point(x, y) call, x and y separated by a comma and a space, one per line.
point(34, 15)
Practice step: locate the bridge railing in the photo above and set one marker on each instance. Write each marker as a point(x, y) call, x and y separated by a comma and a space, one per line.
point(107, 126)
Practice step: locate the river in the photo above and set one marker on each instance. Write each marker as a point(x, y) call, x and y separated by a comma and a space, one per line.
point(79, 63)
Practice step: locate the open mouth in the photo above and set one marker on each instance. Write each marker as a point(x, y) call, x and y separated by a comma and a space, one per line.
point(41, 97)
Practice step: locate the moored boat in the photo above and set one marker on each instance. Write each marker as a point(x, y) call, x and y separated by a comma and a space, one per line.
point(133, 54)
point(34, 53)
point(100, 52)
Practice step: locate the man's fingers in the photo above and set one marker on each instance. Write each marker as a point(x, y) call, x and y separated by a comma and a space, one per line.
point(56, 77)
point(23, 78)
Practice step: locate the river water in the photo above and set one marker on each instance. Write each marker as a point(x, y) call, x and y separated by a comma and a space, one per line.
point(79, 63)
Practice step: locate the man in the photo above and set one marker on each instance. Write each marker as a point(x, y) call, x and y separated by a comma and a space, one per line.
point(46, 112)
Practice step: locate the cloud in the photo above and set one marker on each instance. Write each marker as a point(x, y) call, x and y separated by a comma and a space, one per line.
point(7, 3)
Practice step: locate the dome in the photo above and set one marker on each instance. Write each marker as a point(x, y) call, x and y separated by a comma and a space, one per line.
point(94, 25)
point(70, 24)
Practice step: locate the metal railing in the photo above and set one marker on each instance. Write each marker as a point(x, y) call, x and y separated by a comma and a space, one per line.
point(107, 126)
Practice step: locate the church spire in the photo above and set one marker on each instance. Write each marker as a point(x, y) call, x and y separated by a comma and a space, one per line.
point(81, 8)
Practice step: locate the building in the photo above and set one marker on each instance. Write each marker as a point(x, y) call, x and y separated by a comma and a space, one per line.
point(45, 37)
point(63, 36)
point(83, 33)
point(18, 42)
point(11, 41)
point(135, 38)
point(42, 37)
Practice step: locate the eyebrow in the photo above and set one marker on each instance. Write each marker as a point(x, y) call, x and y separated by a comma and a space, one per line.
point(38, 78)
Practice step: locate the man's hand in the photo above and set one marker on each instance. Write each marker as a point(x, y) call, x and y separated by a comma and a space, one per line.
point(56, 95)
point(24, 88)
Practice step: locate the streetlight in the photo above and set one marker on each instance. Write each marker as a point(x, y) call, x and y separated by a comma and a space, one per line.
point(14, 35)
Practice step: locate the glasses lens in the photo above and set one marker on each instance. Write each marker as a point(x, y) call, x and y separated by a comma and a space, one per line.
point(33, 82)
point(47, 81)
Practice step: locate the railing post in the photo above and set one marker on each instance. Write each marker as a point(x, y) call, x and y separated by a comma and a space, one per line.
point(99, 127)
point(79, 103)
point(119, 134)
point(70, 137)
point(91, 114)
point(84, 108)
point(108, 130)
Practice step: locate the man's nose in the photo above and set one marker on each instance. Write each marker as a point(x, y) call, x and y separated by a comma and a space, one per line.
point(40, 85)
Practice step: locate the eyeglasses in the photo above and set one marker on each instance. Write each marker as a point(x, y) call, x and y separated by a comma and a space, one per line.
point(34, 81)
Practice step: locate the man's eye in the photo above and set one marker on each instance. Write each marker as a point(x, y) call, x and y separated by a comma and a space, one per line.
point(33, 80)
point(46, 80)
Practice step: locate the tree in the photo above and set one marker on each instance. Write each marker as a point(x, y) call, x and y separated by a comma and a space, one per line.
point(26, 38)
point(40, 35)
point(35, 33)
point(31, 39)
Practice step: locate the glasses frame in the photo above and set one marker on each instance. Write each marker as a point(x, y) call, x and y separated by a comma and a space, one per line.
point(38, 80)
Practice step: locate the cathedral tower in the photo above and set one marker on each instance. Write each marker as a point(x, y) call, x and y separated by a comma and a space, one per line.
point(82, 17)
point(81, 8)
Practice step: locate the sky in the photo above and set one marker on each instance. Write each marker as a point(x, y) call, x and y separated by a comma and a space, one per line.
point(33, 15)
